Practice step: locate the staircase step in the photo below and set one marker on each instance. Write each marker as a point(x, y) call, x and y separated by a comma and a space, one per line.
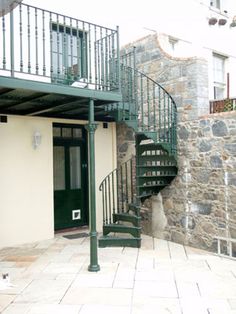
point(153, 147)
point(134, 208)
point(134, 231)
point(151, 186)
point(135, 220)
point(157, 157)
point(157, 179)
point(146, 135)
point(111, 241)
point(170, 170)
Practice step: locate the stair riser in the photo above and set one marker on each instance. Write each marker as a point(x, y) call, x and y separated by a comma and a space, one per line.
point(135, 243)
point(150, 181)
point(132, 219)
point(128, 230)
point(157, 158)
point(171, 171)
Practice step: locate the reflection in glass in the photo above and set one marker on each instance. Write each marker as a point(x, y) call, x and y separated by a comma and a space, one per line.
point(75, 168)
point(66, 132)
point(77, 133)
point(56, 132)
point(59, 168)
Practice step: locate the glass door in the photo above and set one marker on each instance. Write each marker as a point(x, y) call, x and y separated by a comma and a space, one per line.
point(70, 174)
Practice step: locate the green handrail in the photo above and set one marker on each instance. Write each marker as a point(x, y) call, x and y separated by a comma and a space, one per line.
point(118, 190)
point(150, 105)
point(59, 49)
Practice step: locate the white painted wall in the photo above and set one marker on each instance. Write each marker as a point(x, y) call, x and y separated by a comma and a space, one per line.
point(196, 38)
point(26, 184)
point(105, 156)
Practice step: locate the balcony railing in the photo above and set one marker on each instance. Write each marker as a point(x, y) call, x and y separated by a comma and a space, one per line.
point(41, 45)
point(228, 104)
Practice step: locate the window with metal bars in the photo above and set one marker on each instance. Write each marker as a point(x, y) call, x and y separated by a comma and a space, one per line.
point(69, 54)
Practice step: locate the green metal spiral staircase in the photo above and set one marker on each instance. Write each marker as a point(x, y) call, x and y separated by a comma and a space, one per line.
point(150, 110)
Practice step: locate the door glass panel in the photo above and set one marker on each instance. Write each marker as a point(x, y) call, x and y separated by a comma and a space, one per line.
point(66, 132)
point(77, 133)
point(75, 168)
point(59, 168)
point(56, 132)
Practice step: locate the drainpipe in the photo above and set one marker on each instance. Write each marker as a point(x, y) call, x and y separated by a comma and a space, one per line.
point(91, 128)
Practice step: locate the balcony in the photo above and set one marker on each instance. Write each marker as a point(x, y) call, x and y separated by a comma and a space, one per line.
point(48, 58)
point(228, 104)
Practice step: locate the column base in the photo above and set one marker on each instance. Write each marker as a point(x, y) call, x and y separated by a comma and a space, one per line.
point(93, 268)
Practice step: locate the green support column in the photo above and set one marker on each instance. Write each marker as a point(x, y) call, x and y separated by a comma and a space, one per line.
point(91, 128)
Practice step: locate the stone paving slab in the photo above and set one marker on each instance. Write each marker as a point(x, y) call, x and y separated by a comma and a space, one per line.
point(161, 277)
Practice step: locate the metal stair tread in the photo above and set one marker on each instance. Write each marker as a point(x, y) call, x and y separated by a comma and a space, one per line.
point(111, 241)
point(151, 185)
point(148, 166)
point(121, 228)
point(157, 177)
point(131, 218)
point(115, 225)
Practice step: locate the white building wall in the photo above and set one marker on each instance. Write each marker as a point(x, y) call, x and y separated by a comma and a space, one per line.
point(196, 38)
point(26, 182)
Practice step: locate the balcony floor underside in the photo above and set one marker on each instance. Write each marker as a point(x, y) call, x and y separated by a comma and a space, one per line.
point(33, 98)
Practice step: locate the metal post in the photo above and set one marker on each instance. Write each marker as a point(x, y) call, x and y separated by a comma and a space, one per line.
point(12, 43)
point(91, 128)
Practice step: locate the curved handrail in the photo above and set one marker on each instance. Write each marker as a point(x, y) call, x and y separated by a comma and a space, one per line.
point(150, 104)
point(118, 190)
point(153, 112)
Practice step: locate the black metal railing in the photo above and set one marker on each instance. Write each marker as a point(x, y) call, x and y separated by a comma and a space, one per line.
point(46, 46)
point(224, 105)
point(118, 190)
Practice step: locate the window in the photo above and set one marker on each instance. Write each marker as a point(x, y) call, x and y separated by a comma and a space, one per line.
point(69, 53)
point(215, 4)
point(173, 43)
point(68, 132)
point(219, 76)
point(219, 5)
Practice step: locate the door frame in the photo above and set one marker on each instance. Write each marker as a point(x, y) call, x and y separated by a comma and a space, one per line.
point(57, 140)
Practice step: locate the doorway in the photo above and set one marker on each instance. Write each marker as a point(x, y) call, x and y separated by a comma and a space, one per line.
point(70, 176)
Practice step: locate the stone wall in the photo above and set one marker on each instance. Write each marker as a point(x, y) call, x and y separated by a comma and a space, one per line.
point(200, 203)
point(186, 79)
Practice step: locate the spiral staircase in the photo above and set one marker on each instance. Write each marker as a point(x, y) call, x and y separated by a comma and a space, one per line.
point(150, 110)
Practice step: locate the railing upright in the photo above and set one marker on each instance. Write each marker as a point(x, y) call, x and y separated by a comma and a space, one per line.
point(12, 43)
point(54, 48)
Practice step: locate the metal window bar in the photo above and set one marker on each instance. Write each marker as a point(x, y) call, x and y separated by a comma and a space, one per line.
point(33, 40)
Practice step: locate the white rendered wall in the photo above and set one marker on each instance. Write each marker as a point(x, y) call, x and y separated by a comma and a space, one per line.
point(26, 184)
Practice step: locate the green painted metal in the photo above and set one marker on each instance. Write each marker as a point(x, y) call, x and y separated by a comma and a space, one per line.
point(70, 196)
point(59, 48)
point(151, 111)
point(4, 43)
point(134, 219)
point(59, 89)
point(118, 191)
point(120, 228)
point(12, 44)
point(112, 241)
point(91, 128)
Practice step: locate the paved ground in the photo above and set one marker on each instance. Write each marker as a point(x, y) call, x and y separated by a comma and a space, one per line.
point(162, 277)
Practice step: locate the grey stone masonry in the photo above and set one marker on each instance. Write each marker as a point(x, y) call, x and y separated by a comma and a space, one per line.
point(186, 79)
point(201, 202)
